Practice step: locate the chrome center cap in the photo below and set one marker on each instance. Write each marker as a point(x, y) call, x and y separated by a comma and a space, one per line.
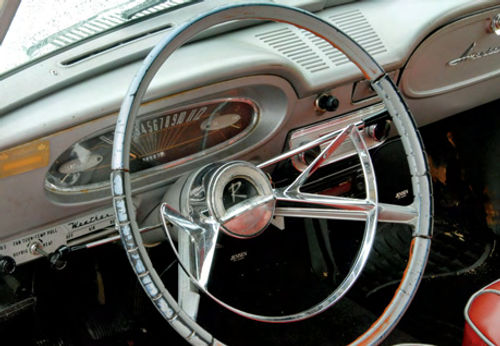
point(241, 198)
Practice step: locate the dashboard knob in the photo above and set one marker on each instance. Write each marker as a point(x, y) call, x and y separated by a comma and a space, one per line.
point(326, 103)
point(379, 131)
point(7, 265)
point(309, 155)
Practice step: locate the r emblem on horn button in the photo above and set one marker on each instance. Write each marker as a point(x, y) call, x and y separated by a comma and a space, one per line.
point(237, 191)
point(240, 197)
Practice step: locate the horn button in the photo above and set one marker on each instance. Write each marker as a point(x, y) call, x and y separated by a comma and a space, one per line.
point(240, 197)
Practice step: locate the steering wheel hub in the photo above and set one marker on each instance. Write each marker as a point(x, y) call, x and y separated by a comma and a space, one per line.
point(240, 198)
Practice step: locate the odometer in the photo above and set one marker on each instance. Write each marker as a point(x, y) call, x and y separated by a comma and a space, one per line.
point(158, 139)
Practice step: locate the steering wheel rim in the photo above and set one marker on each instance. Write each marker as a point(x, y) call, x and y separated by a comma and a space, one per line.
point(381, 83)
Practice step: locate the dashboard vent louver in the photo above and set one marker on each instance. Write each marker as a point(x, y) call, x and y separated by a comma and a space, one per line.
point(291, 44)
point(315, 54)
point(354, 24)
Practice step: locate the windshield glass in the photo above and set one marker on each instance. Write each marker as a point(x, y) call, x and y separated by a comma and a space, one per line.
point(42, 27)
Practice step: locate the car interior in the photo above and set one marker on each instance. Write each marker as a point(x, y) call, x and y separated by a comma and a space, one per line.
point(302, 172)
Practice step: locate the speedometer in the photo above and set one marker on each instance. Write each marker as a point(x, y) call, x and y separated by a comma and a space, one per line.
point(162, 138)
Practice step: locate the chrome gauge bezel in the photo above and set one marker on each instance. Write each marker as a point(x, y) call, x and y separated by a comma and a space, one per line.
point(274, 97)
point(140, 175)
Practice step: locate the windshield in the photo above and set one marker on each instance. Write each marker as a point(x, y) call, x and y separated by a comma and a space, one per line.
point(42, 27)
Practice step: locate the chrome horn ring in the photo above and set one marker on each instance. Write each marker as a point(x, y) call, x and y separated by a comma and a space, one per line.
point(418, 214)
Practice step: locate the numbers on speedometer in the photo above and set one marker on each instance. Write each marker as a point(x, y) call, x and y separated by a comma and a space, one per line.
point(159, 138)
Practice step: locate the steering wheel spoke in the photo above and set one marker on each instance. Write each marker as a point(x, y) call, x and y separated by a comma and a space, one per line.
point(321, 213)
point(336, 202)
point(389, 213)
point(321, 158)
point(332, 207)
point(393, 213)
point(196, 242)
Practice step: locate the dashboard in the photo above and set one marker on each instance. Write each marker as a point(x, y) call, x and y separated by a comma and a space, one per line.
point(244, 93)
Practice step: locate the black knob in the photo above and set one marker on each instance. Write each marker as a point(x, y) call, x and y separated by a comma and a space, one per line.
point(311, 154)
point(379, 131)
point(57, 259)
point(327, 103)
point(7, 265)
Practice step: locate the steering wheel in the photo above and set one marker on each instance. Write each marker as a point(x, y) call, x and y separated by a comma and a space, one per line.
point(196, 231)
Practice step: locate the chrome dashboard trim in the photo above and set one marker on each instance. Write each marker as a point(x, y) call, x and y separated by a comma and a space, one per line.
point(335, 125)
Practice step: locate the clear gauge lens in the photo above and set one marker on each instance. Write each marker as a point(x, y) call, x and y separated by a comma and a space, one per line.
point(160, 138)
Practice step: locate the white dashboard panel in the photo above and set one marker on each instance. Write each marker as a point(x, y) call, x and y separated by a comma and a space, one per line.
point(257, 62)
point(60, 100)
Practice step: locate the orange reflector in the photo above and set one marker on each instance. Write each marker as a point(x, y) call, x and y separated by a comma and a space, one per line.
point(24, 158)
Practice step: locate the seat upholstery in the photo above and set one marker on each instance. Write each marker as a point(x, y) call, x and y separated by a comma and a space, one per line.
point(482, 317)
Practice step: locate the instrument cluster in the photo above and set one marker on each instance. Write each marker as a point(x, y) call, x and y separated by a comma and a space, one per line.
point(164, 138)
